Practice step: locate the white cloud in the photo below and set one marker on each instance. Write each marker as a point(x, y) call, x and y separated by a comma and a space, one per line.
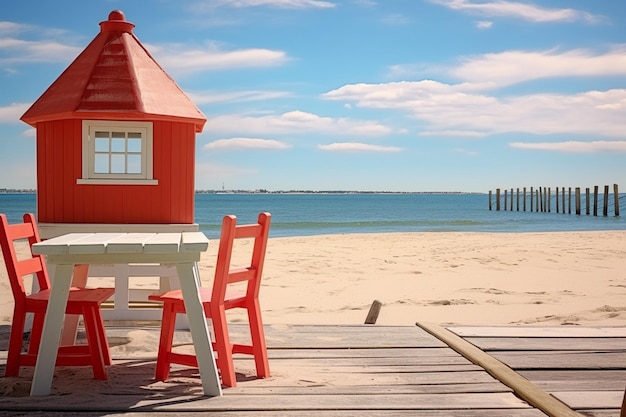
point(448, 108)
point(484, 24)
point(574, 146)
point(512, 67)
point(211, 97)
point(12, 28)
point(282, 4)
point(294, 122)
point(357, 147)
point(23, 43)
point(17, 51)
point(13, 112)
point(245, 144)
point(182, 58)
point(525, 11)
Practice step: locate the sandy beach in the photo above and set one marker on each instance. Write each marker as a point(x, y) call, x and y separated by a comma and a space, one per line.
point(576, 278)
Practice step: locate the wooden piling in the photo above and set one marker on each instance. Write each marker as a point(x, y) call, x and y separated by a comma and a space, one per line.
point(497, 199)
point(549, 201)
point(541, 200)
point(569, 204)
point(505, 198)
point(556, 198)
point(372, 315)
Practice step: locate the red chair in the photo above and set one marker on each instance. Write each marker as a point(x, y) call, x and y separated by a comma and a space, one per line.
point(217, 300)
point(82, 301)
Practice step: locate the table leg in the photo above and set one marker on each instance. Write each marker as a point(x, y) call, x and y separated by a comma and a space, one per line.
point(49, 346)
point(199, 331)
point(79, 279)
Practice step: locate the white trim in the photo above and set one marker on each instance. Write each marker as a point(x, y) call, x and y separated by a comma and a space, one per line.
point(89, 176)
point(102, 181)
point(50, 230)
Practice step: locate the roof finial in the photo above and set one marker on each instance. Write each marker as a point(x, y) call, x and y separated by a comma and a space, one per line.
point(117, 15)
point(116, 23)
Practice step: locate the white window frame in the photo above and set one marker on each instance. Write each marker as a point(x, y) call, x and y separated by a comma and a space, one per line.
point(145, 177)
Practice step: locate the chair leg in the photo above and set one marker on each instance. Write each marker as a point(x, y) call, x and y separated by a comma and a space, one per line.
point(259, 348)
point(94, 342)
point(102, 337)
point(15, 345)
point(35, 333)
point(224, 349)
point(166, 339)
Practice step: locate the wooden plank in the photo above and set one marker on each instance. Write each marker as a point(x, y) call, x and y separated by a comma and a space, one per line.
point(562, 360)
point(548, 343)
point(444, 355)
point(408, 389)
point(316, 413)
point(58, 245)
point(577, 384)
point(129, 243)
point(288, 336)
point(581, 400)
point(92, 243)
point(564, 375)
point(338, 402)
point(163, 243)
point(537, 331)
point(315, 373)
point(310, 337)
point(194, 242)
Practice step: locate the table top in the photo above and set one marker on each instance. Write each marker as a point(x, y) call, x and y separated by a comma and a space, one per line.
point(123, 243)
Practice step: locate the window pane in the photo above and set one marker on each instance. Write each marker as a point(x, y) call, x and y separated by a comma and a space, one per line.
point(102, 144)
point(118, 135)
point(134, 145)
point(134, 164)
point(101, 134)
point(101, 164)
point(118, 145)
point(118, 164)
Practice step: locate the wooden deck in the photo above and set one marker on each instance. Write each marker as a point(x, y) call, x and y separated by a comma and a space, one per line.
point(343, 371)
point(583, 367)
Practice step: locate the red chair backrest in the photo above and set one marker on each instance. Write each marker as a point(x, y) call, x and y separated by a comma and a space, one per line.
point(224, 274)
point(19, 267)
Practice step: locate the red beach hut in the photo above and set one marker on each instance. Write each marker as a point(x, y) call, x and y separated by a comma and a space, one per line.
point(116, 152)
point(115, 139)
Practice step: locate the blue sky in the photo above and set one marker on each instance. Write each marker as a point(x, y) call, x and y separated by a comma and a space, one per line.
point(387, 95)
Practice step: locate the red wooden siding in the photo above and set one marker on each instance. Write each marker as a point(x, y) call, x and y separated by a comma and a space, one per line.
point(61, 200)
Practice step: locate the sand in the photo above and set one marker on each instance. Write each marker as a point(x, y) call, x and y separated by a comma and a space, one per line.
point(576, 278)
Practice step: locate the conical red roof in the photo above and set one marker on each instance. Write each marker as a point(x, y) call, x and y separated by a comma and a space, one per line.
point(114, 78)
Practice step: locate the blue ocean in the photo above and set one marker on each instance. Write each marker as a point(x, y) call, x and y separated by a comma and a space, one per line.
point(334, 213)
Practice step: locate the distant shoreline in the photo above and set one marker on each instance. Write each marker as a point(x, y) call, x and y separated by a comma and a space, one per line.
point(31, 191)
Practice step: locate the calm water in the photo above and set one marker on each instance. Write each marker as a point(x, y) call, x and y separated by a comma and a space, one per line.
point(314, 214)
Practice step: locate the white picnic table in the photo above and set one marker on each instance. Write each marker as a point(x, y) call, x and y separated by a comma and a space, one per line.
point(182, 249)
